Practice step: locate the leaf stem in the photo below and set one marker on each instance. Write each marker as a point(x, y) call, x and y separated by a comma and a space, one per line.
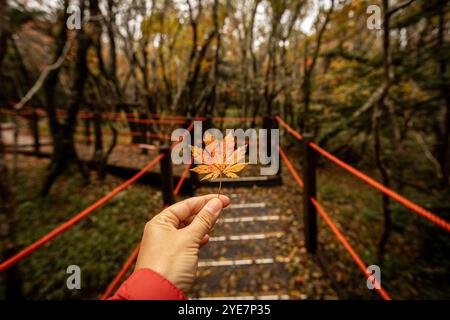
point(220, 185)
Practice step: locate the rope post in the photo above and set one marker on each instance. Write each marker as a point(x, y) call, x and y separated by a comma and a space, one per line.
point(167, 176)
point(309, 191)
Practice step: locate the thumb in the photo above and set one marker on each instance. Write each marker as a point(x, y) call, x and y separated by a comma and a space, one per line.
point(204, 221)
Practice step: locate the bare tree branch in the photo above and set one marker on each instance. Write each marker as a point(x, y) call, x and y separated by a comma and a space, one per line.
point(40, 81)
point(421, 141)
point(399, 7)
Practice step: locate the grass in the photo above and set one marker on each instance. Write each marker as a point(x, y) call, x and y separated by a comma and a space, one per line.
point(99, 244)
point(416, 262)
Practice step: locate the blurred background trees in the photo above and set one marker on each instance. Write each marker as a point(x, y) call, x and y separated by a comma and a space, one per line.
point(315, 62)
point(374, 89)
point(371, 85)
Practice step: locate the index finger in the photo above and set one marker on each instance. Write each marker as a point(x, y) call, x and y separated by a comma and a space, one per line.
point(186, 208)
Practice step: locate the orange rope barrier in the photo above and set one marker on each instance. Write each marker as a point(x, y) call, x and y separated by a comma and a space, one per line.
point(225, 119)
point(191, 126)
point(121, 273)
point(333, 227)
point(349, 248)
point(182, 178)
point(392, 194)
point(7, 112)
point(186, 170)
point(131, 117)
point(124, 134)
point(82, 140)
point(71, 222)
point(288, 128)
point(137, 120)
point(135, 253)
point(290, 167)
point(22, 113)
point(130, 114)
point(13, 113)
point(85, 113)
point(131, 133)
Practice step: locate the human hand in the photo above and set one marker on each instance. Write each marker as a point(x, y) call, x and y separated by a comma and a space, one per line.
point(172, 239)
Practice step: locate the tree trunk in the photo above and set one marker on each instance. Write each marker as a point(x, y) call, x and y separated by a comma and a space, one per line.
point(309, 64)
point(131, 120)
point(4, 32)
point(64, 153)
point(98, 142)
point(377, 113)
point(444, 152)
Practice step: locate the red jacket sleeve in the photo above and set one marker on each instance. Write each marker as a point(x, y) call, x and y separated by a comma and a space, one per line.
point(146, 284)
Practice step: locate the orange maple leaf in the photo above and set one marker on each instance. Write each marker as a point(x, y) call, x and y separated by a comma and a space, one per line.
point(219, 158)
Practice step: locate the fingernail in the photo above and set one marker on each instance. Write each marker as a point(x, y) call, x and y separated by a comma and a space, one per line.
point(214, 206)
point(227, 199)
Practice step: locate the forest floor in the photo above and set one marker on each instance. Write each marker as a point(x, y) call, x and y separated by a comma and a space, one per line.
point(272, 264)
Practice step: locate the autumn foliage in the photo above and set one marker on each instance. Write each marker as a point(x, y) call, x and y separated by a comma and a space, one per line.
point(219, 157)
